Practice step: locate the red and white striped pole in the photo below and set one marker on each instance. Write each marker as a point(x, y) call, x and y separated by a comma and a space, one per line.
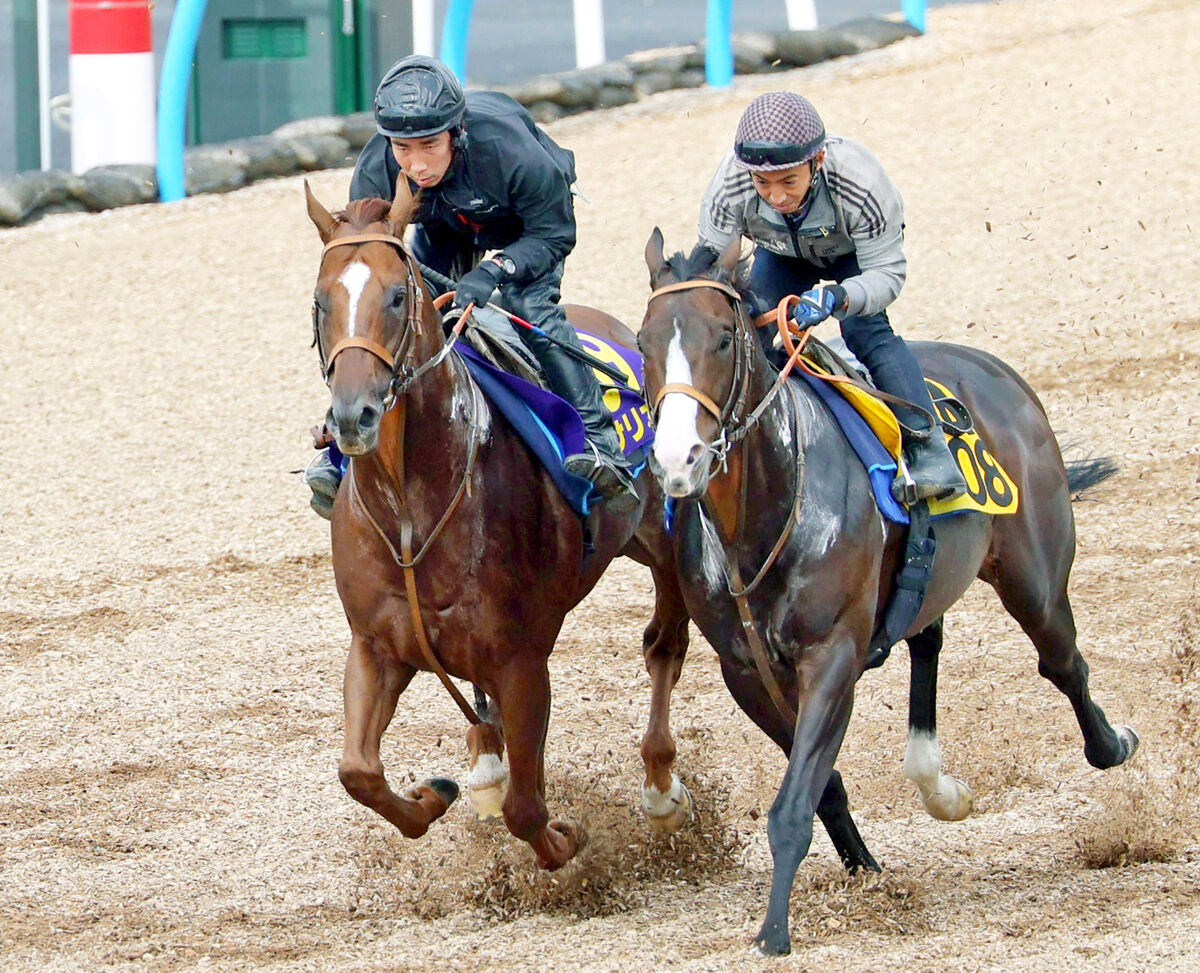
point(111, 71)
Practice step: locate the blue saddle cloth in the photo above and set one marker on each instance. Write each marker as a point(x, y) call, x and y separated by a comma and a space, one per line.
point(551, 427)
point(876, 460)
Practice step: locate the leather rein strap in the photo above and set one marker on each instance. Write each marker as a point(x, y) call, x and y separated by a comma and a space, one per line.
point(405, 558)
point(731, 415)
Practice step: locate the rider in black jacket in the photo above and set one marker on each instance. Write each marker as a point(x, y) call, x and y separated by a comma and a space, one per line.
point(488, 180)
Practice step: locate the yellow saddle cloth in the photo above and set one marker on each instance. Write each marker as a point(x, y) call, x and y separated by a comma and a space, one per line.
point(989, 488)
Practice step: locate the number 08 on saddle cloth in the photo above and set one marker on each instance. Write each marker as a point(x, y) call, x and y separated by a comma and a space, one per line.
point(872, 429)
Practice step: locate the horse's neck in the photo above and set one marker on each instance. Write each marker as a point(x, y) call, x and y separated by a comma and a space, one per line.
point(763, 466)
point(431, 433)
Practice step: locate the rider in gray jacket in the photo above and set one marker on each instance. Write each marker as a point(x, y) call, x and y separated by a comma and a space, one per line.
point(820, 208)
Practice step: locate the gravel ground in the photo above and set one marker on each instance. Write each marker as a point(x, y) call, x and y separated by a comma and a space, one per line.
point(171, 643)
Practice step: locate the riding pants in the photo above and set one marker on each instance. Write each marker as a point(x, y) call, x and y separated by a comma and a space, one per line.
point(870, 337)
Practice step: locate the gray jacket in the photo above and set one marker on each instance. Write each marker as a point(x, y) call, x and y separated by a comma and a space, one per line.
point(855, 209)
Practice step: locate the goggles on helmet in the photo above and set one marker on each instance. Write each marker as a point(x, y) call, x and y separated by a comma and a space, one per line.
point(775, 153)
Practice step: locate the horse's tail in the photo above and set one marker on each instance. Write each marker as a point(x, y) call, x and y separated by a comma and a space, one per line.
point(1083, 474)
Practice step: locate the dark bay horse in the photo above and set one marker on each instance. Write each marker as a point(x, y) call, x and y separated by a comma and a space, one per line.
point(454, 552)
point(772, 504)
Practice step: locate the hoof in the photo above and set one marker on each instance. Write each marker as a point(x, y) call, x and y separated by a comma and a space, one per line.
point(1129, 741)
point(952, 802)
point(443, 787)
point(667, 813)
point(435, 795)
point(575, 834)
point(766, 945)
point(488, 802)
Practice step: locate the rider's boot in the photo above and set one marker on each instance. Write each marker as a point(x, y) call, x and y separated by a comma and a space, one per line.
point(933, 472)
point(604, 463)
point(323, 478)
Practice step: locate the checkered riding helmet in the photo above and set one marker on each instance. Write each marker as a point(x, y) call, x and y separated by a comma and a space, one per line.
point(778, 130)
point(418, 96)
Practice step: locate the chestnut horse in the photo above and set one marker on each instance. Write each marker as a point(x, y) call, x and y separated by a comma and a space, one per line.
point(454, 552)
point(768, 490)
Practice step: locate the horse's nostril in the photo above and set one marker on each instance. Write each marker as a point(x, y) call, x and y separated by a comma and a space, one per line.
point(367, 418)
point(694, 454)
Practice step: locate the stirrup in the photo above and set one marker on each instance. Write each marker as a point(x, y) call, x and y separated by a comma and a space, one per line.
point(612, 482)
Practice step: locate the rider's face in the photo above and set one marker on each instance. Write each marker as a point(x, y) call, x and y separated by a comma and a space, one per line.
point(424, 160)
point(785, 189)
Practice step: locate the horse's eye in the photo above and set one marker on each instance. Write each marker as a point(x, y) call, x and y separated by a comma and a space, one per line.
point(725, 342)
point(397, 300)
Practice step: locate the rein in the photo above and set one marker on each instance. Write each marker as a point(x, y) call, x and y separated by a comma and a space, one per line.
point(732, 429)
point(403, 376)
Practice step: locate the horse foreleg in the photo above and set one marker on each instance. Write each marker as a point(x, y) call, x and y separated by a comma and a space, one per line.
point(834, 807)
point(825, 700)
point(945, 798)
point(373, 683)
point(487, 780)
point(523, 694)
point(666, 802)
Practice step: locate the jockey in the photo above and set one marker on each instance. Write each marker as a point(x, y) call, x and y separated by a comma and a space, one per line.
point(820, 208)
point(488, 180)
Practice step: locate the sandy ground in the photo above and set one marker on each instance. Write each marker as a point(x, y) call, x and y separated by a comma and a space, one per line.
point(171, 644)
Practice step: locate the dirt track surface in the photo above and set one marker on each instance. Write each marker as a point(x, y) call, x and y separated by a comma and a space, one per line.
point(171, 644)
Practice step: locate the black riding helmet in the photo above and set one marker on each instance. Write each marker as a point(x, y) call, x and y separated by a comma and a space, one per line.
point(418, 96)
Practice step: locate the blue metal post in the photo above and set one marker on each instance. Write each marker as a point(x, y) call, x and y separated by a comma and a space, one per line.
point(914, 13)
point(454, 36)
point(718, 56)
point(173, 97)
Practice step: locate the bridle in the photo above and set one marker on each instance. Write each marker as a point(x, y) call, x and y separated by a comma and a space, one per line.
point(403, 374)
point(733, 427)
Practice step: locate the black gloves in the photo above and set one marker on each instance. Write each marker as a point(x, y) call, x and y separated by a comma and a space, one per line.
point(477, 286)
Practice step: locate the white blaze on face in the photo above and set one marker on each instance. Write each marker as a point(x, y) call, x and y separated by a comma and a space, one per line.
point(354, 278)
point(675, 432)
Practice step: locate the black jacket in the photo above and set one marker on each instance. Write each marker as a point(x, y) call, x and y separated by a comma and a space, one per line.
point(507, 188)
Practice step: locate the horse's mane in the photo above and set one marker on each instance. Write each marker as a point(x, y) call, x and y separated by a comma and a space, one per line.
point(359, 214)
point(702, 263)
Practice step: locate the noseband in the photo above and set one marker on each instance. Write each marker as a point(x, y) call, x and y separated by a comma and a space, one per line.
point(402, 374)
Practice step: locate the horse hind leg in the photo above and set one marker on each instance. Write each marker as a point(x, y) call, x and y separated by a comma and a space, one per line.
point(1050, 625)
point(945, 798)
point(371, 690)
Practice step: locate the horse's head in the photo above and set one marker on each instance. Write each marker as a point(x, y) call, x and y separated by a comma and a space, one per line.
point(372, 322)
point(697, 347)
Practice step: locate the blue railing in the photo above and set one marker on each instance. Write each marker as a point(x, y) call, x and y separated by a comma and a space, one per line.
point(185, 29)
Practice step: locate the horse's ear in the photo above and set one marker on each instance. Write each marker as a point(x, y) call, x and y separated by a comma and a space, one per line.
point(320, 216)
point(654, 256)
point(403, 204)
point(728, 261)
